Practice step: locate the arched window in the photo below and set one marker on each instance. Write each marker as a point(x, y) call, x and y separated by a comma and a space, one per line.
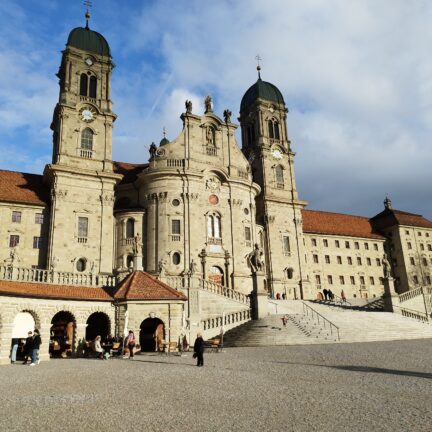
point(176, 258)
point(210, 225)
point(273, 127)
point(130, 228)
point(276, 130)
point(250, 134)
point(217, 227)
point(290, 273)
point(83, 84)
point(270, 128)
point(87, 139)
point(81, 265)
point(279, 176)
point(92, 89)
point(214, 228)
point(129, 261)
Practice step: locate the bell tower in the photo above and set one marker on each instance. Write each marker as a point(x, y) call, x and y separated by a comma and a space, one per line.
point(81, 174)
point(266, 145)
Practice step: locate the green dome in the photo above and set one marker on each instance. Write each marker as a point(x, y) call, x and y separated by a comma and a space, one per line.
point(262, 90)
point(88, 40)
point(164, 141)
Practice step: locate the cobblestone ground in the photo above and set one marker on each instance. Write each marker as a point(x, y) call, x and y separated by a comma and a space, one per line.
point(347, 387)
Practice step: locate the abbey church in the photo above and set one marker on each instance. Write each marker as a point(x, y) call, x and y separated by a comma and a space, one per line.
point(196, 238)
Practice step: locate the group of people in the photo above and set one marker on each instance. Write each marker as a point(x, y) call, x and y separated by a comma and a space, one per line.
point(329, 296)
point(30, 348)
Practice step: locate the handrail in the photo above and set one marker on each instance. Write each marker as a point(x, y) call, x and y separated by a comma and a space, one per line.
point(341, 301)
point(410, 294)
point(324, 318)
point(423, 315)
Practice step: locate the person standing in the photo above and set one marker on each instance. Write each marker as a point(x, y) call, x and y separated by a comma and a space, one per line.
point(15, 343)
point(343, 297)
point(199, 350)
point(98, 347)
point(325, 294)
point(28, 346)
point(36, 343)
point(130, 343)
point(284, 320)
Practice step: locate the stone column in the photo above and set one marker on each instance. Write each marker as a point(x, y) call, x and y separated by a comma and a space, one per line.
point(194, 306)
point(45, 335)
point(259, 299)
point(391, 298)
point(5, 343)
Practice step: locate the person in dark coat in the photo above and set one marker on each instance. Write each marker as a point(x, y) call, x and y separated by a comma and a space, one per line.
point(199, 350)
point(36, 343)
point(325, 294)
point(28, 347)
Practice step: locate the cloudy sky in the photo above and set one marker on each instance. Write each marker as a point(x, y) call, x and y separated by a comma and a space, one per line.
point(356, 77)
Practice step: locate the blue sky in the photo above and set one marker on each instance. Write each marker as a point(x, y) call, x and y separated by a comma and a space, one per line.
point(356, 77)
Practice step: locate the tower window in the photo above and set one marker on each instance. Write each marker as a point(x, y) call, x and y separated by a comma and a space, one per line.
point(214, 226)
point(130, 228)
point(87, 139)
point(279, 177)
point(273, 127)
point(88, 85)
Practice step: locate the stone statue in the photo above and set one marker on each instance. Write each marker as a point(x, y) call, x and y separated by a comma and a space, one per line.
point(152, 150)
point(227, 116)
point(193, 268)
point(208, 104)
point(386, 267)
point(188, 106)
point(137, 245)
point(209, 135)
point(254, 259)
point(13, 257)
point(161, 267)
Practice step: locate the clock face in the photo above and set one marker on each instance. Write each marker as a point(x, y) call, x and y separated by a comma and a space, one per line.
point(89, 61)
point(276, 153)
point(87, 114)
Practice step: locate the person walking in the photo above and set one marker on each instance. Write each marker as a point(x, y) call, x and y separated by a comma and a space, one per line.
point(330, 295)
point(284, 320)
point(343, 297)
point(130, 343)
point(199, 350)
point(36, 343)
point(28, 346)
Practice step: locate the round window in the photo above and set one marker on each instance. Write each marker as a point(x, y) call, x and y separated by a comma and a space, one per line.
point(246, 211)
point(175, 202)
point(81, 265)
point(213, 199)
point(176, 258)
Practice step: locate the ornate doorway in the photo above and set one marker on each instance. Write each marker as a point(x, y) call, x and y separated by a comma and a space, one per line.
point(216, 275)
point(152, 334)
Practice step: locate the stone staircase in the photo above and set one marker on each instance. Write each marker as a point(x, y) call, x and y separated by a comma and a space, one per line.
point(356, 323)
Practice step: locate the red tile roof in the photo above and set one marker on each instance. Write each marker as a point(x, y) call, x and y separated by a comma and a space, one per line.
point(319, 222)
point(27, 289)
point(129, 171)
point(141, 286)
point(17, 187)
point(390, 217)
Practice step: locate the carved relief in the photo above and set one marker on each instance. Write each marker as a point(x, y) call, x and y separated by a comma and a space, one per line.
point(213, 184)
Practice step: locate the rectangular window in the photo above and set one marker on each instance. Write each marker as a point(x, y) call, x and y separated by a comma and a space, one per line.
point(82, 227)
point(375, 246)
point(421, 246)
point(325, 242)
point(327, 259)
point(362, 280)
point(318, 279)
point(409, 245)
point(378, 262)
point(315, 259)
point(419, 234)
point(39, 218)
point(337, 243)
point(356, 245)
point(37, 242)
point(14, 240)
point(368, 261)
point(286, 245)
point(366, 246)
point(175, 227)
point(247, 233)
point(342, 280)
point(428, 280)
point(429, 247)
point(347, 244)
point(406, 232)
point(359, 261)
point(330, 280)
point(412, 261)
point(415, 279)
point(372, 280)
point(16, 216)
point(314, 242)
point(339, 259)
point(349, 260)
point(424, 261)
point(352, 279)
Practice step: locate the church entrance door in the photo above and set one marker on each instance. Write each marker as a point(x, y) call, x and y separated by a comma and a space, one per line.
point(152, 334)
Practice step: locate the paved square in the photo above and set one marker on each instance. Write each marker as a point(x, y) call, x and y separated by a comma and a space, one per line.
point(346, 387)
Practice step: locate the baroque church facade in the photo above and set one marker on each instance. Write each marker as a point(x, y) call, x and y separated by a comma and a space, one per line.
point(100, 234)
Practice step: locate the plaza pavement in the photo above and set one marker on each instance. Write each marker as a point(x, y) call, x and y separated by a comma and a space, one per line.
point(342, 387)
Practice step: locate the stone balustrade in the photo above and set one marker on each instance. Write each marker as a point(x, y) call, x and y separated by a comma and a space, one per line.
point(410, 294)
point(21, 274)
point(226, 320)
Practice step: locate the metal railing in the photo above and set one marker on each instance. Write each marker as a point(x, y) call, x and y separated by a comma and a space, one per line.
point(314, 314)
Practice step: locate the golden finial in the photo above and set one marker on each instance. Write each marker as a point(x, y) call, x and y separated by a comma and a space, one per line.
point(258, 59)
point(87, 4)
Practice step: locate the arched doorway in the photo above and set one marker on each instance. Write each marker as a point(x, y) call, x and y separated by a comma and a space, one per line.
point(23, 323)
point(216, 275)
point(62, 342)
point(98, 324)
point(152, 333)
